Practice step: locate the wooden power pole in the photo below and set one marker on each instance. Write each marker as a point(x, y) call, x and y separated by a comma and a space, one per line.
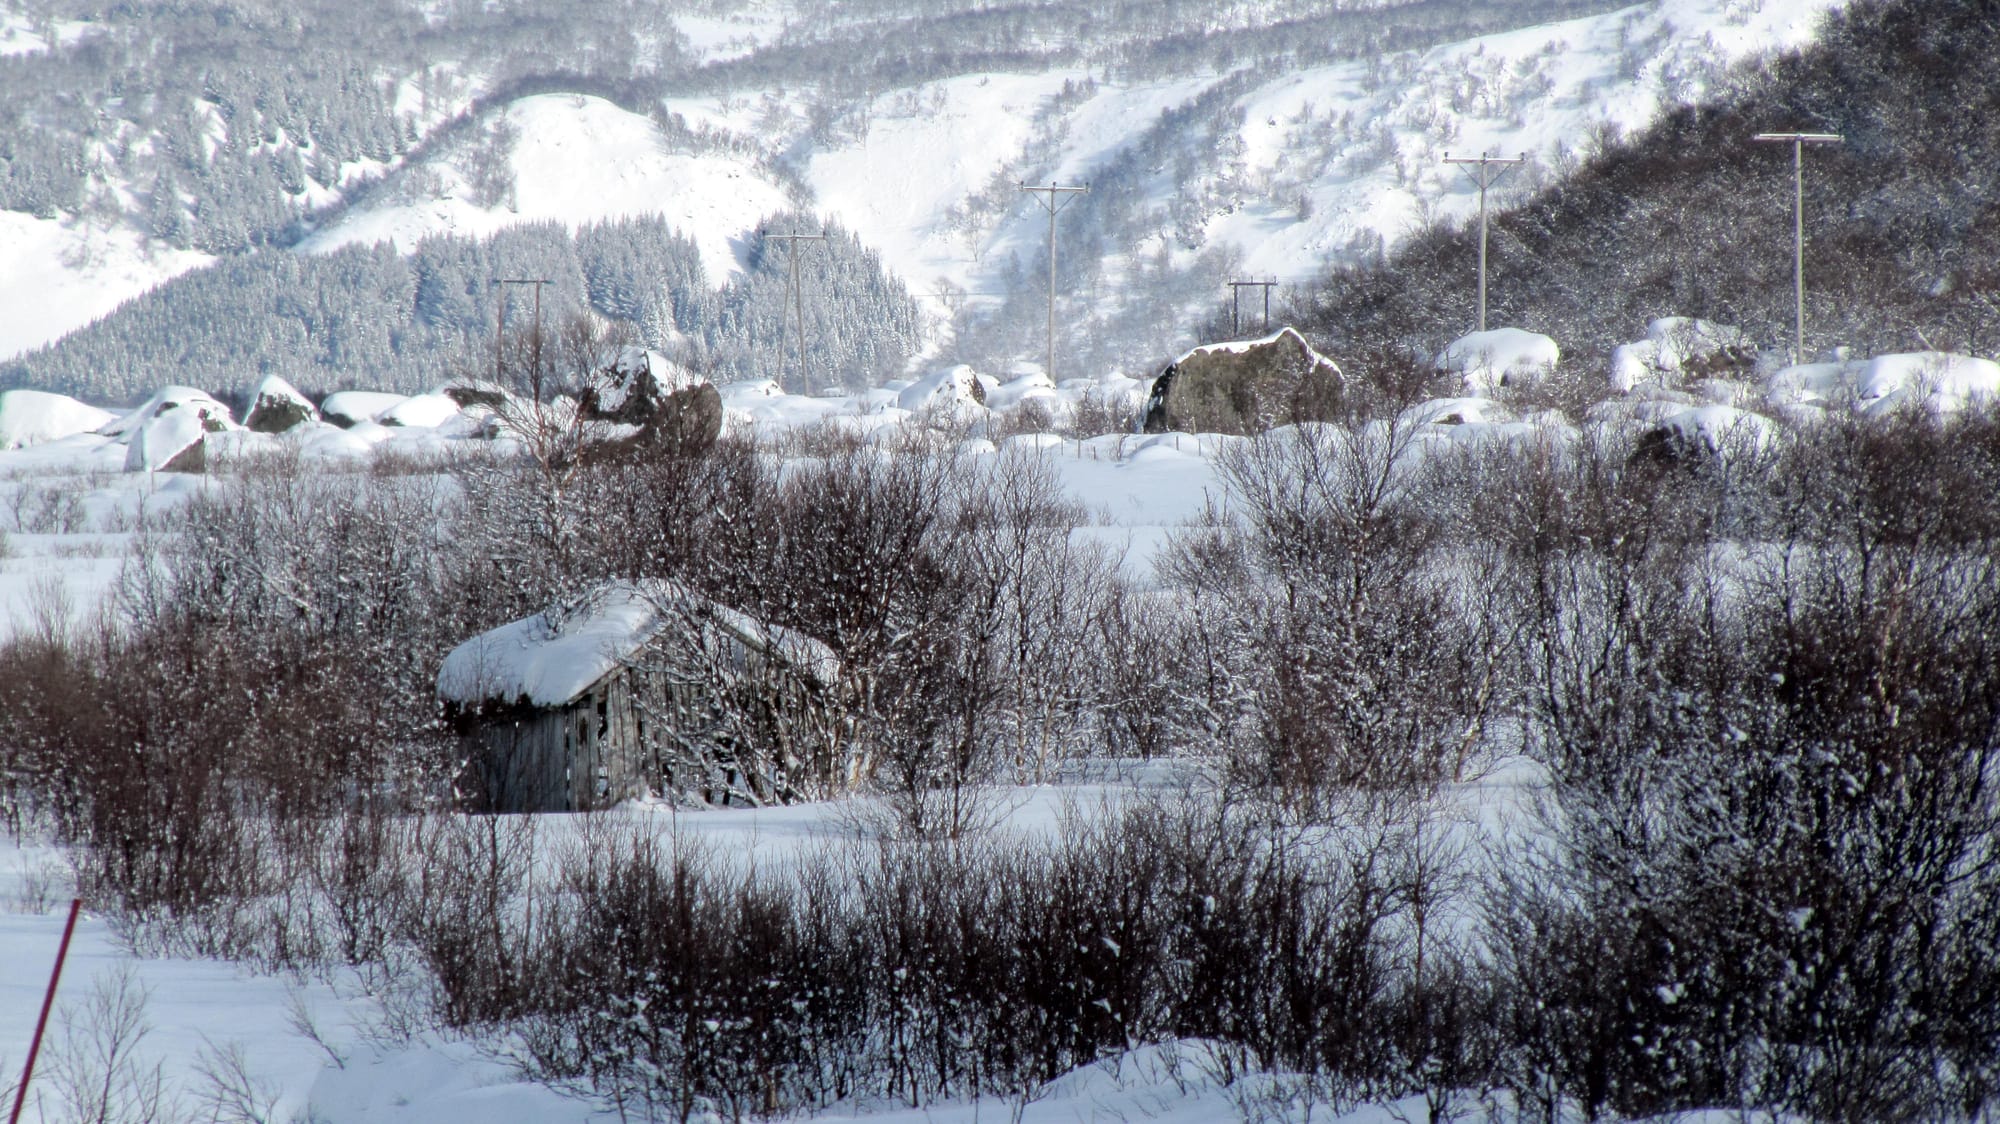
point(534, 342)
point(1058, 197)
point(1486, 177)
point(1799, 141)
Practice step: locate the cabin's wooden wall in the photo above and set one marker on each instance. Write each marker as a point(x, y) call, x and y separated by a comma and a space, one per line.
point(589, 754)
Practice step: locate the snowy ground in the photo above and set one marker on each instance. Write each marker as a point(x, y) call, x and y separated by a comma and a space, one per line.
point(323, 1050)
point(71, 516)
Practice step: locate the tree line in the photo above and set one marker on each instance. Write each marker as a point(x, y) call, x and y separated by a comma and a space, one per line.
point(371, 317)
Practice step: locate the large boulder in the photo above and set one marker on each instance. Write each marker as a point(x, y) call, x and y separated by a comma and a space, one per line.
point(1942, 382)
point(672, 407)
point(425, 411)
point(950, 390)
point(276, 406)
point(1241, 387)
point(169, 432)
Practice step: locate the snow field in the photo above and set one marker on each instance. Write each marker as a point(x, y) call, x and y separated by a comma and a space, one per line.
point(1142, 488)
point(362, 1070)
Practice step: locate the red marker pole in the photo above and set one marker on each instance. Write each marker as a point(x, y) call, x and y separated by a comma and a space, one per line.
point(48, 1002)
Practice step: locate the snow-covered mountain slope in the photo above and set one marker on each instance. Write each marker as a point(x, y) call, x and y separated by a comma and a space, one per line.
point(1302, 168)
point(574, 159)
point(1213, 168)
point(1361, 145)
point(57, 275)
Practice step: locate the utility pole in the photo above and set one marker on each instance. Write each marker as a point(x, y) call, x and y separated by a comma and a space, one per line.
point(534, 343)
point(1799, 141)
point(1486, 178)
point(1058, 197)
point(1236, 303)
point(796, 289)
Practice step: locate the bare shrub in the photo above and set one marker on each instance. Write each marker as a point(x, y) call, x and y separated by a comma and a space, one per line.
point(1362, 656)
point(1772, 800)
point(1096, 414)
point(95, 1065)
point(52, 507)
point(229, 1092)
point(923, 972)
point(1028, 416)
point(1570, 387)
point(826, 437)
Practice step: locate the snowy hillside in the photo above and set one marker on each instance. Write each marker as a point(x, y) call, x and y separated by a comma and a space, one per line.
point(61, 274)
point(1202, 171)
point(574, 159)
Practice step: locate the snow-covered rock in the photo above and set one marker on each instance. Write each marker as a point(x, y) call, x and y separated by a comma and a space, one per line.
point(1707, 431)
point(425, 411)
point(171, 398)
point(168, 432)
point(1677, 347)
point(172, 441)
point(1239, 387)
point(952, 389)
point(1012, 393)
point(32, 417)
point(1489, 360)
point(351, 407)
point(330, 442)
point(276, 406)
point(1942, 381)
point(1457, 411)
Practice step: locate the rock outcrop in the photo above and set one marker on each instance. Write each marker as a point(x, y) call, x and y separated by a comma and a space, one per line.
point(673, 408)
point(276, 406)
point(1242, 387)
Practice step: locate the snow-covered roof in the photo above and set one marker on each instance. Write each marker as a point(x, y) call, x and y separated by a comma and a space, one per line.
point(549, 659)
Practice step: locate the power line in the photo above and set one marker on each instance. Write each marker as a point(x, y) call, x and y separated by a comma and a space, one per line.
point(1799, 141)
point(795, 288)
point(1058, 198)
point(1486, 178)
